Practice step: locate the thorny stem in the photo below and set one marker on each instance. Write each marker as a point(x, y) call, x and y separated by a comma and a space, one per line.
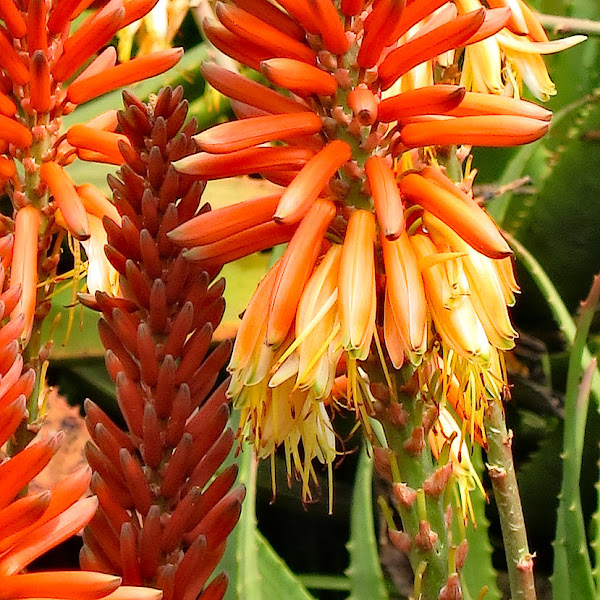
point(559, 24)
point(504, 483)
point(430, 564)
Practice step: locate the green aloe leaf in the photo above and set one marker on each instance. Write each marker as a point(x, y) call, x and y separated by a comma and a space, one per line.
point(573, 571)
point(255, 570)
point(364, 572)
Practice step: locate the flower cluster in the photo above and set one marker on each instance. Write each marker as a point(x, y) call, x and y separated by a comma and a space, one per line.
point(41, 79)
point(166, 505)
point(387, 246)
point(32, 523)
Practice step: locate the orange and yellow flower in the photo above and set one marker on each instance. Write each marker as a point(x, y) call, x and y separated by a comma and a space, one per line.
point(363, 96)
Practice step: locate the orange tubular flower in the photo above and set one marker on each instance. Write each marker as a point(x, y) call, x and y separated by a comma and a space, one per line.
point(32, 523)
point(39, 57)
point(385, 91)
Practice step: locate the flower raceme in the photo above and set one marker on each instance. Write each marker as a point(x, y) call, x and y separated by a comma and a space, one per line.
point(46, 70)
point(166, 504)
point(32, 523)
point(383, 244)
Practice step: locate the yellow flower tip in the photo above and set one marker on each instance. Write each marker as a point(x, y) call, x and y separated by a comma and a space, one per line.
point(451, 308)
point(406, 298)
point(357, 294)
point(67, 199)
point(251, 333)
point(487, 290)
point(296, 266)
point(317, 327)
point(447, 436)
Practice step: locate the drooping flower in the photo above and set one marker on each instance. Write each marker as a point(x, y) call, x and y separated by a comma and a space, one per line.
point(364, 96)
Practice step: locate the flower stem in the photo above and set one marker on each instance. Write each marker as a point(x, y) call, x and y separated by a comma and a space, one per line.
point(504, 483)
point(560, 24)
point(422, 514)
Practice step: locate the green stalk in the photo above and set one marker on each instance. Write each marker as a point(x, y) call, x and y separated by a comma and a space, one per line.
point(506, 492)
point(427, 511)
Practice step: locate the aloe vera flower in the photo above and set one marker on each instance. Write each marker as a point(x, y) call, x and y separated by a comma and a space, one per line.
point(32, 523)
point(366, 103)
point(47, 68)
